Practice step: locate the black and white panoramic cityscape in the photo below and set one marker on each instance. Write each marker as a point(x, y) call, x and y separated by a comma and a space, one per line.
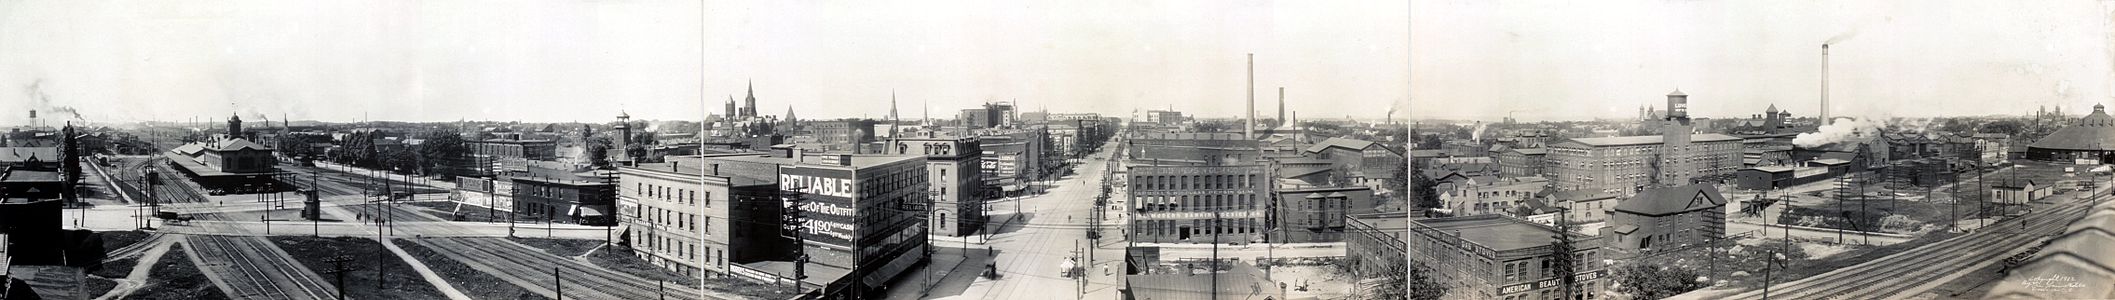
point(675, 149)
point(1761, 150)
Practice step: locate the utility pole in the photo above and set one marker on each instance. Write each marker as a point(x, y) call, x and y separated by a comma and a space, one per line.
point(338, 269)
point(796, 219)
point(1215, 252)
point(558, 283)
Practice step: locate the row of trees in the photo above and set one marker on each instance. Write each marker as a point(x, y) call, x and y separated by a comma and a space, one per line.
point(442, 153)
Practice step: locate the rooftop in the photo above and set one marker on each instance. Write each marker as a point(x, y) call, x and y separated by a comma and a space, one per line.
point(1387, 221)
point(30, 176)
point(1649, 139)
point(826, 160)
point(1354, 144)
point(20, 154)
point(1673, 200)
point(1496, 232)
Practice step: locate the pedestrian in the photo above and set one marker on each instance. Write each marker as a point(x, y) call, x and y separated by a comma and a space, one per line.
point(1105, 269)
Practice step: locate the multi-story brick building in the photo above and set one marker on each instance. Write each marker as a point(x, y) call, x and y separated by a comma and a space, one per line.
point(845, 132)
point(954, 165)
point(1666, 219)
point(1501, 257)
point(862, 226)
point(1193, 149)
point(1198, 204)
point(1316, 214)
point(1376, 245)
point(1627, 164)
point(529, 149)
point(1522, 162)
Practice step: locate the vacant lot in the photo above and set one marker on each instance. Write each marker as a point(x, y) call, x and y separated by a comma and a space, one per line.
point(477, 285)
point(175, 277)
point(360, 279)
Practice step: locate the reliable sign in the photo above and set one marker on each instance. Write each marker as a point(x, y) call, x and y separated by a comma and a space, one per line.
point(828, 203)
point(1583, 277)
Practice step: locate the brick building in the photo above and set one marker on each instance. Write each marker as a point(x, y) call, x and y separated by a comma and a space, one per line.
point(1500, 257)
point(1198, 204)
point(1666, 219)
point(954, 165)
point(1629, 163)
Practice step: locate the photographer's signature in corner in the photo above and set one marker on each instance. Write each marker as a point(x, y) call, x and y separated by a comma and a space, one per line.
point(2053, 283)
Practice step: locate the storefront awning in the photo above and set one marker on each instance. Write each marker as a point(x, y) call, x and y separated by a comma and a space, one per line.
point(590, 211)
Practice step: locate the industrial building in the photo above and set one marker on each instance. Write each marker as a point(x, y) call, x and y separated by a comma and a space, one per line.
point(1501, 257)
point(1627, 164)
point(2090, 140)
point(1666, 219)
point(1198, 204)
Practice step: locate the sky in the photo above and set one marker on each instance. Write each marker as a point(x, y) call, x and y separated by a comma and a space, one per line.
point(555, 61)
point(1573, 60)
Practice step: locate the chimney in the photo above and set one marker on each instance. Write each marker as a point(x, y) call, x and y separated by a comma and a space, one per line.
point(844, 160)
point(1824, 84)
point(1249, 129)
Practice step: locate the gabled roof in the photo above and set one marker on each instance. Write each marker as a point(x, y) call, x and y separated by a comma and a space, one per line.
point(1673, 200)
point(1353, 144)
point(236, 144)
point(1530, 151)
point(2017, 184)
point(21, 154)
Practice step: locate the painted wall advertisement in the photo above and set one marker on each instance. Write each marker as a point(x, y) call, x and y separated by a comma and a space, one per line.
point(828, 204)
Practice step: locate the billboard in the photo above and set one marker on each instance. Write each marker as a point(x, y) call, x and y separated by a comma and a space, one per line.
point(828, 202)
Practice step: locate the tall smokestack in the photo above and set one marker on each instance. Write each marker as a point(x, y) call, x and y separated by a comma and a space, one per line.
point(1281, 107)
point(1249, 131)
point(1824, 84)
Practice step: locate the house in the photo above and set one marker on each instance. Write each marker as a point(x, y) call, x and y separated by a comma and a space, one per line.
point(1667, 219)
point(2018, 191)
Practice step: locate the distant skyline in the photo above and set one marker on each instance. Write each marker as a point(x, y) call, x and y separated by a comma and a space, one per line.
point(587, 60)
point(1561, 60)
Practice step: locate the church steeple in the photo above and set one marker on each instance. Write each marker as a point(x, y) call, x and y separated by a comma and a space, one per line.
point(749, 101)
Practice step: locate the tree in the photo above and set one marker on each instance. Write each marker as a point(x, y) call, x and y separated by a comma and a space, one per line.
point(597, 151)
point(1399, 180)
point(1564, 258)
point(2009, 127)
point(1425, 193)
point(1418, 283)
point(1647, 281)
point(443, 152)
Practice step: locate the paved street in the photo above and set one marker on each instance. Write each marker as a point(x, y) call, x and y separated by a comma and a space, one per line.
point(1032, 249)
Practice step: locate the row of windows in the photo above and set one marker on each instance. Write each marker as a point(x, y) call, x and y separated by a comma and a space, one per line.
point(669, 194)
point(1201, 226)
point(676, 247)
point(673, 218)
point(1521, 270)
point(1193, 182)
point(1196, 202)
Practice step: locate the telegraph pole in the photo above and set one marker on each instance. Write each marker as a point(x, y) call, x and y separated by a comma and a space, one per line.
point(796, 219)
point(338, 269)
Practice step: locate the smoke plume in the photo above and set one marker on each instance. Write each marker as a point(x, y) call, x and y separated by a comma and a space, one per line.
point(1840, 129)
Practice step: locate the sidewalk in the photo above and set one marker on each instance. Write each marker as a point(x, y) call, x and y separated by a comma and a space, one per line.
point(358, 171)
point(952, 271)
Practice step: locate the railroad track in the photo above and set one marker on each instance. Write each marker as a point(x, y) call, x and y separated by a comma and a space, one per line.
point(135, 249)
point(526, 264)
point(1896, 275)
point(258, 272)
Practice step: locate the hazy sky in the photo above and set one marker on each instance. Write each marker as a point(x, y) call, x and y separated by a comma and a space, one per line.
point(586, 60)
point(1582, 59)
